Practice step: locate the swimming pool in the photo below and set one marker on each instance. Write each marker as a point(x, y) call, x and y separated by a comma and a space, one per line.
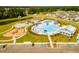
point(46, 27)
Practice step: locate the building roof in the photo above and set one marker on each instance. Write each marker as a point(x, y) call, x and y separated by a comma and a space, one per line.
point(69, 29)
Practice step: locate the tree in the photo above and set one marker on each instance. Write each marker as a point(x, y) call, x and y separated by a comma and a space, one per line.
point(2, 10)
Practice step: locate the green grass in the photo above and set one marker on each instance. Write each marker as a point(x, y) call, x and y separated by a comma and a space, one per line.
point(62, 38)
point(6, 42)
point(9, 19)
point(32, 37)
point(4, 38)
point(12, 19)
point(6, 27)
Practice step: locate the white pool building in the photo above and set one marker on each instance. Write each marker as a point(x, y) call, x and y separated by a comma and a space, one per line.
point(68, 30)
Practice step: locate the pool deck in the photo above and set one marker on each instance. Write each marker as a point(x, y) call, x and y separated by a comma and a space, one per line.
point(46, 26)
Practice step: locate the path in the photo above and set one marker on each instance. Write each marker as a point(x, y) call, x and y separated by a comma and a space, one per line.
point(50, 41)
point(23, 49)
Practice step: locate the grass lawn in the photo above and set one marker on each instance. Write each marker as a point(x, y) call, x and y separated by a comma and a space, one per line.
point(62, 38)
point(6, 42)
point(32, 37)
point(6, 27)
point(9, 19)
point(12, 19)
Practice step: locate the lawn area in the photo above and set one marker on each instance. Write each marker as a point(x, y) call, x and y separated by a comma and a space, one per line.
point(62, 38)
point(13, 19)
point(32, 37)
point(6, 27)
point(6, 42)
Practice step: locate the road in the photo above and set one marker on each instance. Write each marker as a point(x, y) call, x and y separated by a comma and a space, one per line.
point(23, 49)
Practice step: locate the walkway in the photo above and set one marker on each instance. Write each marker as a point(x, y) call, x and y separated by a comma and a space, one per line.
point(50, 41)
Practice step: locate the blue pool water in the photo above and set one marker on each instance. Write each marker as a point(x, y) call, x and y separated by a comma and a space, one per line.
point(50, 28)
point(47, 26)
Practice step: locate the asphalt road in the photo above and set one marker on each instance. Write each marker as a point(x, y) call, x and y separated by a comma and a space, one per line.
point(23, 49)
